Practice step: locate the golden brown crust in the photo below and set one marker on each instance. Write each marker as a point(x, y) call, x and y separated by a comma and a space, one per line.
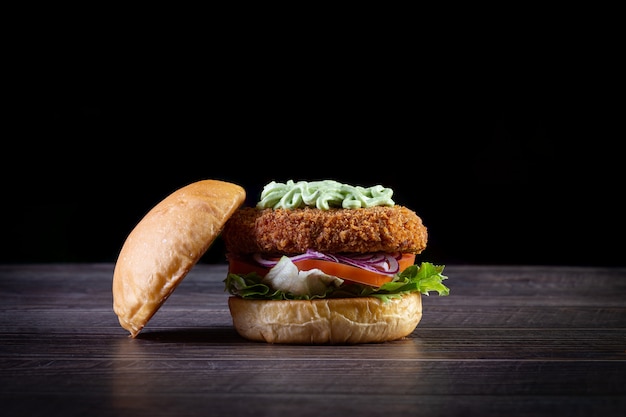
point(363, 230)
point(326, 321)
point(166, 244)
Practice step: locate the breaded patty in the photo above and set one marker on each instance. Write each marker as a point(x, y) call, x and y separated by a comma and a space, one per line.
point(361, 230)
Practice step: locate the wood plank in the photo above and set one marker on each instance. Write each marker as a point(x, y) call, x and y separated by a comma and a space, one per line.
point(509, 340)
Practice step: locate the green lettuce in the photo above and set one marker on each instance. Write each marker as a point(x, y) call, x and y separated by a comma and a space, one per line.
point(424, 278)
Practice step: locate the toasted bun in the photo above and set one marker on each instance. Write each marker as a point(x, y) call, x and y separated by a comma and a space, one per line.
point(166, 244)
point(326, 321)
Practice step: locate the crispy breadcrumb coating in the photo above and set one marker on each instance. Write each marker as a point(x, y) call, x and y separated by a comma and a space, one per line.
point(362, 230)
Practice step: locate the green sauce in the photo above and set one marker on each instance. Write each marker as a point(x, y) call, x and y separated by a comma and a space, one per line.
point(323, 195)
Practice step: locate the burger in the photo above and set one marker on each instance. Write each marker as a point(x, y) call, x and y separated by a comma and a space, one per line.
point(311, 263)
point(327, 263)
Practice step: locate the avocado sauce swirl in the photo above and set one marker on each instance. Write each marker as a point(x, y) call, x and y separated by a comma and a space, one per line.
point(323, 195)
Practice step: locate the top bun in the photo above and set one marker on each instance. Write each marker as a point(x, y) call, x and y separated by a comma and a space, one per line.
point(166, 244)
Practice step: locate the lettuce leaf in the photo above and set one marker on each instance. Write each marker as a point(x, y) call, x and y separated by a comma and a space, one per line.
point(424, 278)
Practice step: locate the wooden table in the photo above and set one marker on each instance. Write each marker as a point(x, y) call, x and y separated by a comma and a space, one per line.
point(508, 341)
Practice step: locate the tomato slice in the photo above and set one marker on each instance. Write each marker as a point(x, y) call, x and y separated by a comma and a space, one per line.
point(239, 266)
point(347, 272)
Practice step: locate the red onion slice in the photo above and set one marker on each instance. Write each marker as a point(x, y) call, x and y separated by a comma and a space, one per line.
point(379, 262)
point(387, 265)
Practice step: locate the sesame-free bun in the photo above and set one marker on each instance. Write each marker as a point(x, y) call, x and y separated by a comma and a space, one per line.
point(326, 321)
point(166, 244)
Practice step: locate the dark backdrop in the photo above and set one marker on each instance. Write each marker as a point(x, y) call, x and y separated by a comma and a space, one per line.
point(516, 175)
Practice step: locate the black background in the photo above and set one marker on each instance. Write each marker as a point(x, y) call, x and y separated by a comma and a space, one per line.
point(493, 182)
point(503, 166)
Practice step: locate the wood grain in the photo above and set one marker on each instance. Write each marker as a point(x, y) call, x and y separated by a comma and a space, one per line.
point(528, 341)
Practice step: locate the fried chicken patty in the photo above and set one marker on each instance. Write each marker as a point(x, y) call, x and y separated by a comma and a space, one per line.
point(361, 230)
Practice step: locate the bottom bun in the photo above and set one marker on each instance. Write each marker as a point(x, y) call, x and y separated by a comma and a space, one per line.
point(326, 321)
